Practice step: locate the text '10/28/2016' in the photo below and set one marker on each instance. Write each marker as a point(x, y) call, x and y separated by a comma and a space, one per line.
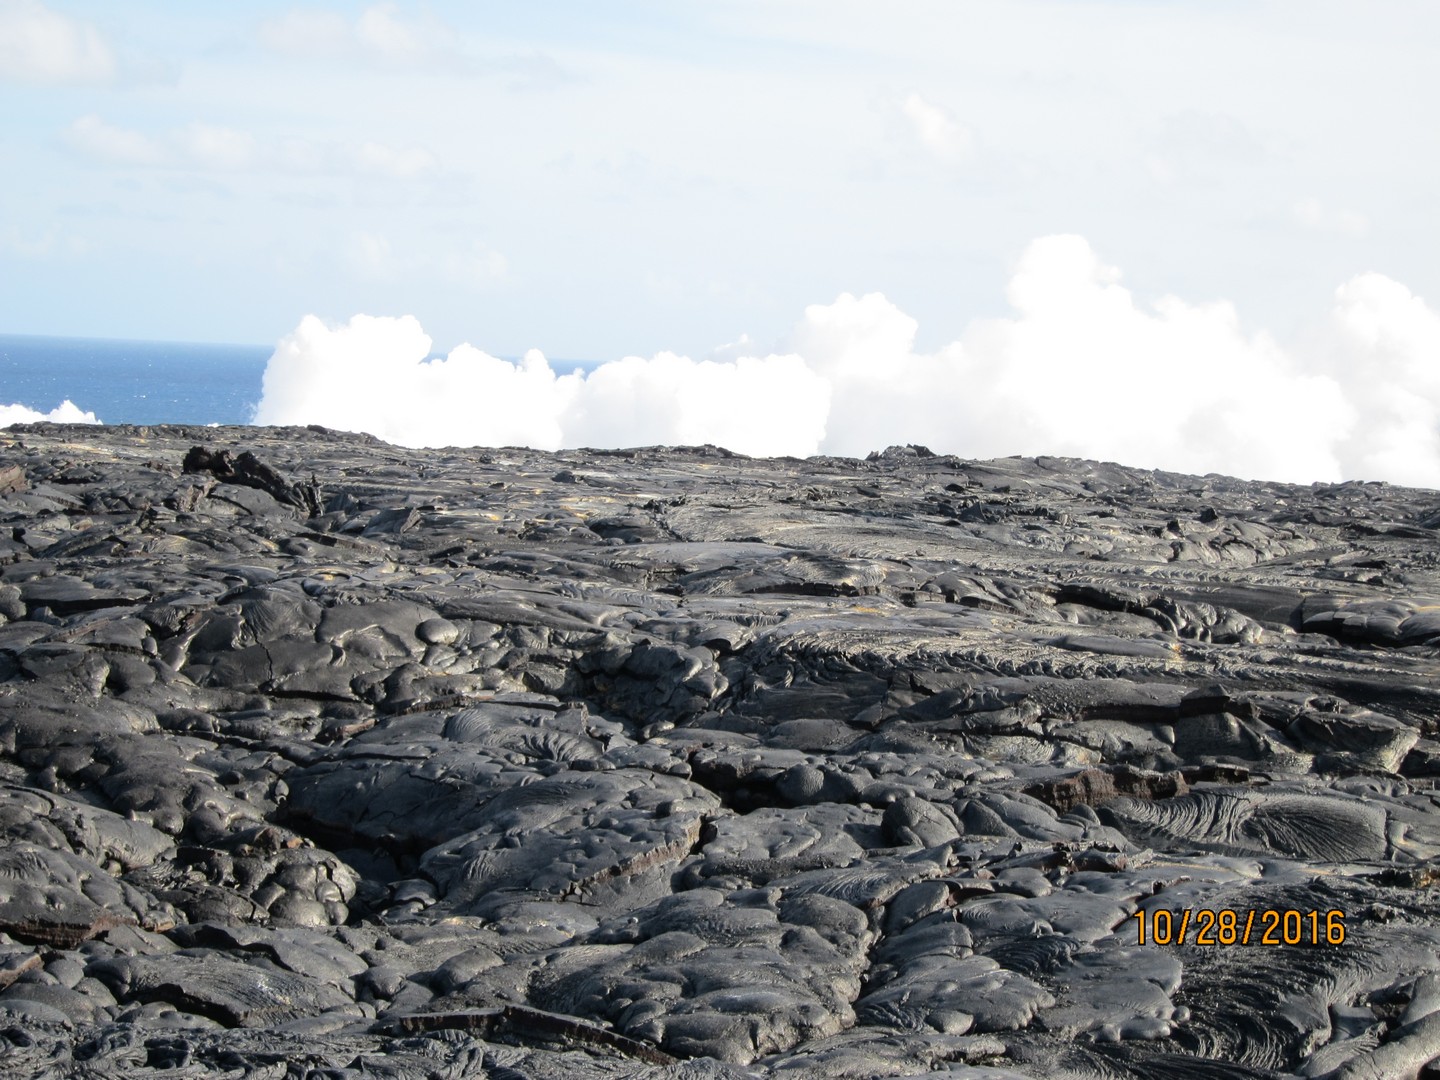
point(1226, 926)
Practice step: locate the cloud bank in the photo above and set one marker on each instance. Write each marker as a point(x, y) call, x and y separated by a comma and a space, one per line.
point(67, 412)
point(372, 375)
point(1082, 368)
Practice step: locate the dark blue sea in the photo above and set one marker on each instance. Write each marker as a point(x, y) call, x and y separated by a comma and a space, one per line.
point(134, 382)
point(143, 382)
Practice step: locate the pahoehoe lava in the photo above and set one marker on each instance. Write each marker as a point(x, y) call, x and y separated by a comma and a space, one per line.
point(322, 757)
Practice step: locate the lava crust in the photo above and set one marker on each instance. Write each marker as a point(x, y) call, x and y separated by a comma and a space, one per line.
point(320, 756)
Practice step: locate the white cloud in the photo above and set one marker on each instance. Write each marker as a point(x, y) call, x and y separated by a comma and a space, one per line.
point(197, 146)
point(44, 245)
point(938, 131)
point(1212, 135)
point(380, 34)
point(307, 33)
point(1082, 368)
point(1381, 343)
point(116, 145)
point(220, 148)
point(403, 162)
point(476, 266)
point(389, 37)
point(1200, 149)
point(372, 375)
point(763, 406)
point(1313, 214)
point(38, 45)
point(382, 31)
point(373, 256)
point(67, 412)
point(215, 148)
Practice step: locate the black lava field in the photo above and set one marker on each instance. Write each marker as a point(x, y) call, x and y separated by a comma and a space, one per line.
point(321, 757)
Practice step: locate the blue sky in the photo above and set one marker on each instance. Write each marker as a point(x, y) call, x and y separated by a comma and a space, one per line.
point(595, 179)
point(1193, 235)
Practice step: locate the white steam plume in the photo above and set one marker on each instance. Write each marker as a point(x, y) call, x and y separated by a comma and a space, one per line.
point(371, 375)
point(1080, 369)
point(67, 412)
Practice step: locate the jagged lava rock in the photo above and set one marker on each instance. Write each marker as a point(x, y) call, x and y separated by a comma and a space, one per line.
point(672, 762)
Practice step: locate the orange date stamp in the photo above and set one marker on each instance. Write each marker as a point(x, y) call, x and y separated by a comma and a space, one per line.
point(1226, 926)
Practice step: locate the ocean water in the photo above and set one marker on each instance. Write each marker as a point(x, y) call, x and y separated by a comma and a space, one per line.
point(144, 382)
point(134, 382)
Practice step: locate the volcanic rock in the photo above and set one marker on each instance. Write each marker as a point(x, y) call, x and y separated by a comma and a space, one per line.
point(325, 756)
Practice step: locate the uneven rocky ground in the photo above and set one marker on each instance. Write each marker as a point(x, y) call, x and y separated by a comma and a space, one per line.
point(323, 757)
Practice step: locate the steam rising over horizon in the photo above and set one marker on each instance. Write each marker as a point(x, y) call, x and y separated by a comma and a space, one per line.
point(67, 412)
point(1080, 370)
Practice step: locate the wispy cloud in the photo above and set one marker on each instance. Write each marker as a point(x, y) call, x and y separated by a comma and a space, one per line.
point(936, 128)
point(216, 148)
point(404, 161)
point(50, 243)
point(220, 148)
point(115, 145)
point(380, 34)
point(471, 264)
point(369, 255)
point(38, 45)
point(1313, 214)
point(1192, 146)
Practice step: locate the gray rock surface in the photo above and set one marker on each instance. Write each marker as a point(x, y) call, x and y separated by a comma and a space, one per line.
point(322, 757)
